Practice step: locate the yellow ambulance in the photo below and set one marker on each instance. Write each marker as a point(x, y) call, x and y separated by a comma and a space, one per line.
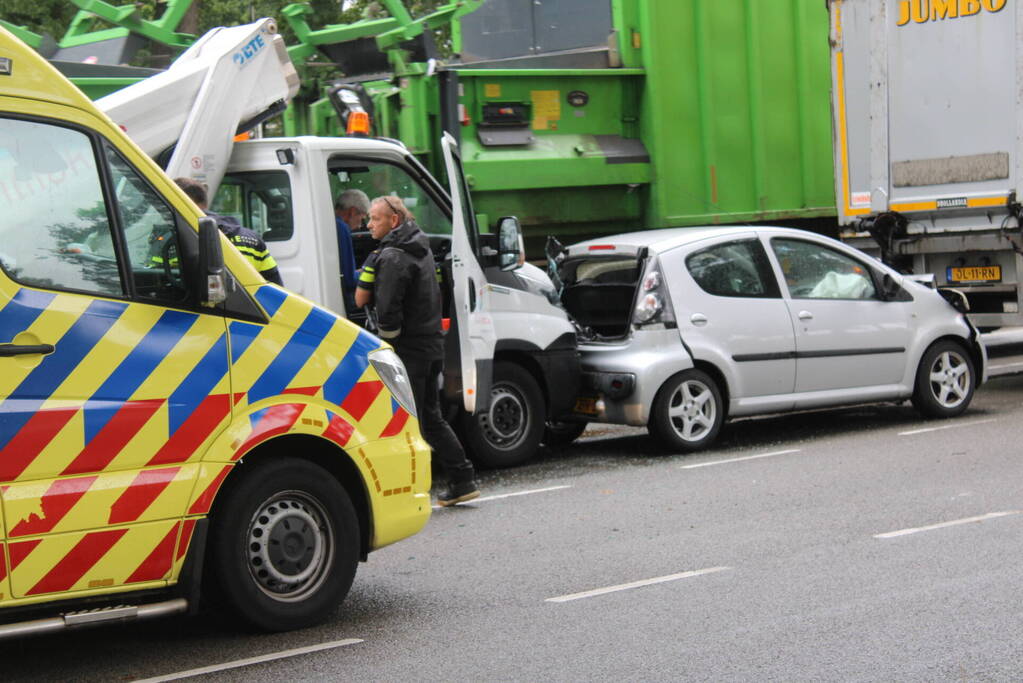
point(168, 420)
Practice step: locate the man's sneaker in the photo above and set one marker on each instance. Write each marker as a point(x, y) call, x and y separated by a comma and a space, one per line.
point(459, 492)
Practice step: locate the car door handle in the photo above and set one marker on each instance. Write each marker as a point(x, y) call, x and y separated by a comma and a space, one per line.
point(24, 349)
point(698, 319)
point(805, 315)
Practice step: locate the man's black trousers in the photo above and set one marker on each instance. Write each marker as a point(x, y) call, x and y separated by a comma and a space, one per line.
point(423, 375)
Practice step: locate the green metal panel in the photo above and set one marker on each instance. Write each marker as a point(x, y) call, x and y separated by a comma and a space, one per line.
point(736, 112)
point(563, 182)
point(729, 97)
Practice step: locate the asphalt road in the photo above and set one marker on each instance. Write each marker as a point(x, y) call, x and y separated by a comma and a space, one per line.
point(862, 544)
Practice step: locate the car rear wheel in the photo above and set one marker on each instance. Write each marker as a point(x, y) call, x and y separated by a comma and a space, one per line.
point(284, 545)
point(687, 413)
point(508, 432)
point(945, 380)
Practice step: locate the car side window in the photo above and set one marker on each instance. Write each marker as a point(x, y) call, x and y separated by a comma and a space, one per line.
point(149, 234)
point(813, 271)
point(55, 231)
point(735, 269)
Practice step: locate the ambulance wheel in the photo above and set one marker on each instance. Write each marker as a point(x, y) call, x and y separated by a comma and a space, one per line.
point(283, 546)
point(508, 432)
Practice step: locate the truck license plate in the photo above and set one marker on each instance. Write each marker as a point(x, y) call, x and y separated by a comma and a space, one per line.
point(975, 274)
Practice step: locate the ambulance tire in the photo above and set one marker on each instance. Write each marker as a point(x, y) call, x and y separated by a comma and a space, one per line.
point(283, 545)
point(508, 433)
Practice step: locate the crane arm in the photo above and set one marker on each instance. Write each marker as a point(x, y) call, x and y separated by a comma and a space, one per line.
point(225, 83)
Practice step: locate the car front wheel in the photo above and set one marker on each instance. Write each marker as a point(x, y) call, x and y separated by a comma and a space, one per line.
point(687, 413)
point(284, 545)
point(945, 380)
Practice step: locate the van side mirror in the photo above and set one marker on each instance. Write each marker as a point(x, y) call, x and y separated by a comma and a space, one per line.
point(211, 283)
point(510, 250)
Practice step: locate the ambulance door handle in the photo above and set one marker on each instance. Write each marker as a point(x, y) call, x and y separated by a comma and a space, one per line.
point(472, 296)
point(24, 349)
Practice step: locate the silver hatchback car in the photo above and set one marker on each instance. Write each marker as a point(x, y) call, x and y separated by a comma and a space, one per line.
point(681, 329)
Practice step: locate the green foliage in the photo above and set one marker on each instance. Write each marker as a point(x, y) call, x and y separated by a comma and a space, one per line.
point(54, 16)
point(51, 17)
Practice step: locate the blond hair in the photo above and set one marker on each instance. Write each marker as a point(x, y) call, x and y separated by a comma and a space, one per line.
point(395, 204)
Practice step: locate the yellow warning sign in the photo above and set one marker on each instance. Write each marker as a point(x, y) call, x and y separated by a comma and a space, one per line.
point(546, 108)
point(492, 89)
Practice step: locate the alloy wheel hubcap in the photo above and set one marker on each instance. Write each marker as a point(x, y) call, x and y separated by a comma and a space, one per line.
point(692, 410)
point(950, 379)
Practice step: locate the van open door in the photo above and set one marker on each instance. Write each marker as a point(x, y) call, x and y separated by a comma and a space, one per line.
point(476, 337)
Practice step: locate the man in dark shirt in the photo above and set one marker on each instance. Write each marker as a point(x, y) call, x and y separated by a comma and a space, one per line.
point(350, 209)
point(247, 241)
point(399, 278)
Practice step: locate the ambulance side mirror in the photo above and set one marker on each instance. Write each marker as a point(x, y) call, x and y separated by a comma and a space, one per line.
point(211, 283)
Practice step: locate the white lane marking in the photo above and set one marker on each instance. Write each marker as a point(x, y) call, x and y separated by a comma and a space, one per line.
point(942, 525)
point(746, 457)
point(635, 584)
point(238, 663)
point(949, 426)
point(499, 496)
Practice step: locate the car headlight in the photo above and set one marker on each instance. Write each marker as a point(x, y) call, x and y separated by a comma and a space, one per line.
point(392, 374)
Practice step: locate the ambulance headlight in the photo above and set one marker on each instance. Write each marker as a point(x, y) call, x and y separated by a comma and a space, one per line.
point(392, 373)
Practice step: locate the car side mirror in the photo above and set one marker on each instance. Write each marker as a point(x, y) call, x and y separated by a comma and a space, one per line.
point(510, 250)
point(889, 287)
point(211, 282)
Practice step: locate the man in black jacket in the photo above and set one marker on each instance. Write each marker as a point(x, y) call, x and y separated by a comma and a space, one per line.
point(399, 279)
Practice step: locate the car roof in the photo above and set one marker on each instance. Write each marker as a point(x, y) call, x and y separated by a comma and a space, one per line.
point(662, 239)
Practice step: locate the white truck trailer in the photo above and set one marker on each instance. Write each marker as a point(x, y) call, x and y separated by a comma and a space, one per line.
point(928, 121)
point(512, 360)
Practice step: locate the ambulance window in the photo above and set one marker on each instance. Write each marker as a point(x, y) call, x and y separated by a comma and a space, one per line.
point(54, 227)
point(149, 234)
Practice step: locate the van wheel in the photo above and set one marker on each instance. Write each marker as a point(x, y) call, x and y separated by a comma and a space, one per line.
point(558, 433)
point(508, 432)
point(945, 381)
point(687, 412)
point(284, 545)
